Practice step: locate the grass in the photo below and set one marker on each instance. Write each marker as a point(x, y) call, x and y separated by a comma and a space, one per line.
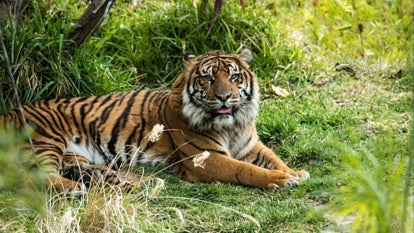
point(372, 193)
point(350, 127)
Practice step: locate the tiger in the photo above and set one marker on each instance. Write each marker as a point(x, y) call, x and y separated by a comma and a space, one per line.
point(209, 113)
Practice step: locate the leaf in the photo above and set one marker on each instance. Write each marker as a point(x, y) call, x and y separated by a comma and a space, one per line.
point(280, 91)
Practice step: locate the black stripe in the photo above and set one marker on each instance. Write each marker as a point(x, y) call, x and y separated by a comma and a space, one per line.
point(96, 136)
point(116, 128)
point(211, 138)
point(257, 157)
point(266, 164)
point(121, 100)
point(83, 117)
point(112, 142)
point(106, 111)
point(51, 122)
point(61, 117)
point(67, 100)
point(261, 160)
point(143, 103)
point(162, 103)
point(31, 112)
point(55, 138)
point(46, 103)
point(205, 149)
point(80, 125)
point(245, 143)
point(56, 124)
point(91, 129)
point(118, 163)
point(106, 100)
point(128, 142)
point(99, 145)
point(167, 126)
point(251, 87)
point(93, 102)
point(125, 114)
point(101, 121)
point(74, 118)
point(45, 150)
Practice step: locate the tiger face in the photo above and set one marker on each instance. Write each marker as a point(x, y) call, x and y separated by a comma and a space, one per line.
point(220, 91)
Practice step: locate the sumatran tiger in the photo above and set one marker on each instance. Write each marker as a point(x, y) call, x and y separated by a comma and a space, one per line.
point(208, 115)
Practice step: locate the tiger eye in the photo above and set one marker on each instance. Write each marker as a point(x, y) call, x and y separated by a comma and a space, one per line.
point(234, 77)
point(208, 78)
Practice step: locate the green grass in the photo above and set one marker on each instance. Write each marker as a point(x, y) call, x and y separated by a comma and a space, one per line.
point(350, 130)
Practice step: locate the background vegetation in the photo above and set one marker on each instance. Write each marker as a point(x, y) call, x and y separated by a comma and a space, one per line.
point(348, 66)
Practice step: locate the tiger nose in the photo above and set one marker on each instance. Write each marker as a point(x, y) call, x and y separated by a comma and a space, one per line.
point(223, 95)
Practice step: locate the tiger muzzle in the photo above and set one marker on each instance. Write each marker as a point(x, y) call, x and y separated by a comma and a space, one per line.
point(223, 95)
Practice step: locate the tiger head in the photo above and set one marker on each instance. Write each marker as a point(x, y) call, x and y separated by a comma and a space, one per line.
point(219, 91)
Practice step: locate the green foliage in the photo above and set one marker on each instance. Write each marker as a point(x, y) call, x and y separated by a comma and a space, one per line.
point(21, 192)
point(36, 57)
point(154, 45)
point(374, 189)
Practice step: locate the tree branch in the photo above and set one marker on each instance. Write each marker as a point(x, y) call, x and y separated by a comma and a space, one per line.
point(89, 22)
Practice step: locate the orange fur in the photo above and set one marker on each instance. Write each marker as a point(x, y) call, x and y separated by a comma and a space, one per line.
point(212, 107)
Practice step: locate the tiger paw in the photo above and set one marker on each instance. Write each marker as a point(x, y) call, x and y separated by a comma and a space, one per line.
point(75, 190)
point(91, 174)
point(302, 175)
point(66, 186)
point(282, 180)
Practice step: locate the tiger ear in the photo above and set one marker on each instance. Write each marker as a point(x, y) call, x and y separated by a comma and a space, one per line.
point(188, 56)
point(246, 55)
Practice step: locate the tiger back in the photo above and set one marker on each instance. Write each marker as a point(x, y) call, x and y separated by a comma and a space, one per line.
point(209, 114)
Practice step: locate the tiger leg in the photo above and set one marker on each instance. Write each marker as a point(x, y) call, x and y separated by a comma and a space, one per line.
point(221, 168)
point(264, 157)
point(48, 157)
point(76, 167)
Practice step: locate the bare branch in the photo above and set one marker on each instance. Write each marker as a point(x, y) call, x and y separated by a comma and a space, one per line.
point(89, 22)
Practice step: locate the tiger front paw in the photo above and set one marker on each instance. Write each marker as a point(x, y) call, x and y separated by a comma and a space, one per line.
point(302, 175)
point(282, 180)
point(91, 174)
point(66, 186)
point(74, 189)
point(288, 179)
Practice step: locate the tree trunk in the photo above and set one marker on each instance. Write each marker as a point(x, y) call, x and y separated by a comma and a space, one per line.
point(89, 22)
